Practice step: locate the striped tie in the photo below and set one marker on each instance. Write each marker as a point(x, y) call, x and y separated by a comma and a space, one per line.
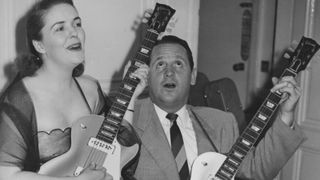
point(177, 147)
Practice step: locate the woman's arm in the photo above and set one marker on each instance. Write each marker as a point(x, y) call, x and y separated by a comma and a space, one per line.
point(15, 173)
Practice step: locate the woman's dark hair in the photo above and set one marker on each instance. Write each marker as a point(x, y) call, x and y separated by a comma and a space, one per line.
point(170, 39)
point(35, 22)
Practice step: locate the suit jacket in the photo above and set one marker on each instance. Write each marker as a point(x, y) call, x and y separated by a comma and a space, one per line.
point(157, 162)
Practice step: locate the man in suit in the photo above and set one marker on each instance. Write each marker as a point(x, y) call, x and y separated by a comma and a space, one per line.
point(202, 129)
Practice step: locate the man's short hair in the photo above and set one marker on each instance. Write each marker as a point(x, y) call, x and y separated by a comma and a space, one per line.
point(170, 39)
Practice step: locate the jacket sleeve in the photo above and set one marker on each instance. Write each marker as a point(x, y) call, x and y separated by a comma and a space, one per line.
point(272, 152)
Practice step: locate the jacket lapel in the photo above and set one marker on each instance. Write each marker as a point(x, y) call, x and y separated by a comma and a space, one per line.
point(155, 141)
point(204, 145)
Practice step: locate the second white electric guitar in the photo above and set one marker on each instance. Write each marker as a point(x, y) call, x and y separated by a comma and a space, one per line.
point(215, 166)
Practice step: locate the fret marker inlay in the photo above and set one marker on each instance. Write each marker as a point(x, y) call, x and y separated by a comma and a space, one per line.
point(115, 114)
point(239, 155)
point(126, 86)
point(121, 101)
point(226, 174)
point(245, 142)
point(137, 63)
point(229, 168)
point(144, 51)
point(234, 162)
point(255, 128)
point(270, 105)
point(262, 117)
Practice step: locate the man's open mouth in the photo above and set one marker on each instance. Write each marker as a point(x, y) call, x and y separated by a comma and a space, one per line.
point(169, 85)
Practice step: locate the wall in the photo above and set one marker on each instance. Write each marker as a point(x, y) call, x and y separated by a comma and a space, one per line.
point(11, 13)
point(220, 28)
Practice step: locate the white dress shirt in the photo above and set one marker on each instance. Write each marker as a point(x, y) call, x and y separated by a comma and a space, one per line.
point(186, 128)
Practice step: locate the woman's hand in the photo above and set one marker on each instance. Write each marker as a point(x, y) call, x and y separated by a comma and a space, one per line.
point(94, 173)
point(142, 74)
point(147, 14)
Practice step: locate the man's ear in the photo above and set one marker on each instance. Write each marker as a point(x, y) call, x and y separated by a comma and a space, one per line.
point(38, 46)
point(193, 76)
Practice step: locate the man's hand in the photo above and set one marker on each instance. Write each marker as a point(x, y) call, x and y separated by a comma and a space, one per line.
point(291, 94)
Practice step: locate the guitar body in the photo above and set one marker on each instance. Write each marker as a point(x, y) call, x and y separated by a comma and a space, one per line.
point(206, 166)
point(81, 154)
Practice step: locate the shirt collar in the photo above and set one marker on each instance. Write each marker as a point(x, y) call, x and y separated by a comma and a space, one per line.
point(183, 115)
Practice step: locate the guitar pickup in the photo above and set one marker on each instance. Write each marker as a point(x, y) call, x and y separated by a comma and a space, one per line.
point(101, 145)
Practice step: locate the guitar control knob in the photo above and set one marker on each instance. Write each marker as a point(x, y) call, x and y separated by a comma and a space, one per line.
point(83, 126)
point(204, 163)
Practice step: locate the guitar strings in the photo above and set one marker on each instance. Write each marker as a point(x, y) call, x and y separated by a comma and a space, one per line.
point(95, 156)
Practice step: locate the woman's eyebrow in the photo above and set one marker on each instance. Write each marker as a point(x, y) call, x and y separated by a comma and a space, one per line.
point(77, 18)
point(61, 22)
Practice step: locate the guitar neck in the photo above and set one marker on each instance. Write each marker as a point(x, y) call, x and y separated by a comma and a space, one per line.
point(258, 124)
point(252, 132)
point(113, 118)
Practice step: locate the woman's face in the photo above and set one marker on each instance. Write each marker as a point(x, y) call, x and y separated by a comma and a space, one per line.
point(62, 36)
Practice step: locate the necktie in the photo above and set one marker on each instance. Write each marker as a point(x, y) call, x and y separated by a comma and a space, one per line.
point(177, 147)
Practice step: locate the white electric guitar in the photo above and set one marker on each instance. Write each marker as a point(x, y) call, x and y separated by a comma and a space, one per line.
point(94, 138)
point(215, 166)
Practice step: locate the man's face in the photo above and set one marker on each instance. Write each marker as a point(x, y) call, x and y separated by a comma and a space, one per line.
point(170, 76)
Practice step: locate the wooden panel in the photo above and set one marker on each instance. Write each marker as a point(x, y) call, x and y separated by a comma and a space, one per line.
point(299, 19)
point(313, 98)
point(312, 143)
point(310, 168)
point(316, 20)
point(304, 20)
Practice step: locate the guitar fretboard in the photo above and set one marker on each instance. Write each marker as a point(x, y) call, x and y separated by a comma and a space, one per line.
point(251, 134)
point(300, 58)
point(111, 123)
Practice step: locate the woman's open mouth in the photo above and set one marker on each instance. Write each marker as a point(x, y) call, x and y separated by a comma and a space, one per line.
point(75, 47)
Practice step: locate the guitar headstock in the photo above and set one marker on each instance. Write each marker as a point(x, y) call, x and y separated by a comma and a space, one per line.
point(160, 17)
point(302, 55)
